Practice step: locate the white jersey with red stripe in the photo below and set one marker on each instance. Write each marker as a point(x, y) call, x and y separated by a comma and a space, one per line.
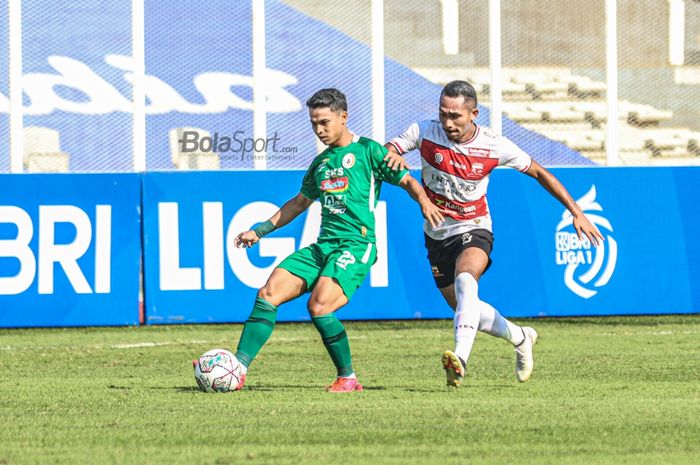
point(455, 176)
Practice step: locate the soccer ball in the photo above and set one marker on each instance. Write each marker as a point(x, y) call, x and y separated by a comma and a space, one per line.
point(218, 370)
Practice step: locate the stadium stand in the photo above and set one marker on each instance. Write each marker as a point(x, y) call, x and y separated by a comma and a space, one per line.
point(554, 72)
point(570, 109)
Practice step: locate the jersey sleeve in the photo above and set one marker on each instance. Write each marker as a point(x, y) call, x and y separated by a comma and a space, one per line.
point(513, 156)
point(380, 167)
point(407, 141)
point(309, 187)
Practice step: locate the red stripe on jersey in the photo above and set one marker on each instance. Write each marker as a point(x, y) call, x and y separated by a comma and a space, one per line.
point(458, 210)
point(397, 147)
point(463, 166)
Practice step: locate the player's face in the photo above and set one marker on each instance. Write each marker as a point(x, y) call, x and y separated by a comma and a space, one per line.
point(328, 125)
point(456, 116)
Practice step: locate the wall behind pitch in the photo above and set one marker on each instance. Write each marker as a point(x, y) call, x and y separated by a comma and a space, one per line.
point(647, 215)
point(70, 248)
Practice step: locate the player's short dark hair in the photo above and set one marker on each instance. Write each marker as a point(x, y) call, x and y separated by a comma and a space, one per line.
point(328, 98)
point(460, 88)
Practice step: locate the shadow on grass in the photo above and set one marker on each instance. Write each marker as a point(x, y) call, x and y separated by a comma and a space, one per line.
point(306, 387)
point(120, 388)
point(625, 320)
point(256, 387)
point(314, 387)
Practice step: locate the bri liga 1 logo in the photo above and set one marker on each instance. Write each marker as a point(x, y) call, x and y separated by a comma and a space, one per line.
point(586, 267)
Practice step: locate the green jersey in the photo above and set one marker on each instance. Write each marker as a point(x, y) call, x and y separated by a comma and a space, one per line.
point(346, 180)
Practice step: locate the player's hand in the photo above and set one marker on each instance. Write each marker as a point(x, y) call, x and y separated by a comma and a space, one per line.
point(246, 239)
point(395, 161)
point(432, 213)
point(584, 227)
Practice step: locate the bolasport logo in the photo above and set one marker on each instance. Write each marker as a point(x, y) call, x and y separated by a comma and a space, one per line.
point(235, 145)
point(586, 268)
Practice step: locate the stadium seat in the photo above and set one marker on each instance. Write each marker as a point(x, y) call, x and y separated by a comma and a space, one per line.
point(191, 160)
point(557, 112)
point(521, 112)
point(42, 151)
point(583, 87)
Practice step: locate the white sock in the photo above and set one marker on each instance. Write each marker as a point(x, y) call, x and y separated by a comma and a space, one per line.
point(493, 323)
point(466, 315)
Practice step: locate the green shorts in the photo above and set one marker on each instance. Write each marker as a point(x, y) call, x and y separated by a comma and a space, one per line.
point(347, 262)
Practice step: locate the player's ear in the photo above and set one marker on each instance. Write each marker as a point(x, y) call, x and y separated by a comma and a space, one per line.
point(475, 112)
point(344, 117)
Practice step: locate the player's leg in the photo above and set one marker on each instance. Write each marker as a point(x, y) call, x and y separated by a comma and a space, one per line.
point(289, 280)
point(345, 270)
point(448, 293)
point(282, 286)
point(470, 265)
point(326, 298)
point(441, 255)
point(490, 320)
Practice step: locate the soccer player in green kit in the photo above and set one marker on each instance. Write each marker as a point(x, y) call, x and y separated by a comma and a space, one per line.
point(346, 179)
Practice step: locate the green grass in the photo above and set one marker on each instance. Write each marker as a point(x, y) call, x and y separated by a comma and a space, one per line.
point(604, 390)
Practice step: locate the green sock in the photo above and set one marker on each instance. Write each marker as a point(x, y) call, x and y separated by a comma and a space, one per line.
point(256, 331)
point(336, 341)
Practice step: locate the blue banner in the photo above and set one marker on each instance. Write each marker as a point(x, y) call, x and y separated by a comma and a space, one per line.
point(648, 218)
point(194, 274)
point(70, 248)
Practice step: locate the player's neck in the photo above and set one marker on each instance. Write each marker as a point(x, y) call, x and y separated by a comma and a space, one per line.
point(344, 139)
point(469, 134)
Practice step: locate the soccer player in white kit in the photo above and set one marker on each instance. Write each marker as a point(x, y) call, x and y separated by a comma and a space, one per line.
point(457, 157)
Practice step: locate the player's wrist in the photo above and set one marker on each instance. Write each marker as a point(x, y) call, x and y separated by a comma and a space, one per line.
point(263, 229)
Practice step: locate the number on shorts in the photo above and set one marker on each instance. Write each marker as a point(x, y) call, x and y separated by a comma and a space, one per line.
point(346, 259)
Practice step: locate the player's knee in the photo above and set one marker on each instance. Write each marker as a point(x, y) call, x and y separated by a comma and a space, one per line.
point(267, 293)
point(318, 308)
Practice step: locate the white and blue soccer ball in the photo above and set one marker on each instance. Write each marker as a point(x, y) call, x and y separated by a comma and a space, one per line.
point(218, 370)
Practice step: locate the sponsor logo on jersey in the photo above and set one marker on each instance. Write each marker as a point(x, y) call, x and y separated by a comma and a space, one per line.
point(461, 209)
point(586, 268)
point(335, 185)
point(349, 160)
point(477, 152)
point(438, 158)
point(447, 185)
point(477, 168)
point(335, 204)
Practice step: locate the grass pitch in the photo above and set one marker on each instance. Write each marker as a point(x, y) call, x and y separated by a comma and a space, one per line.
point(604, 391)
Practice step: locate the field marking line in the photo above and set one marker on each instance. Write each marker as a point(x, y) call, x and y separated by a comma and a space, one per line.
point(652, 333)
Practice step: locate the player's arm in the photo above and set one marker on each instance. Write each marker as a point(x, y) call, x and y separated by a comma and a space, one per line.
point(582, 224)
point(290, 210)
point(394, 159)
point(400, 145)
point(428, 209)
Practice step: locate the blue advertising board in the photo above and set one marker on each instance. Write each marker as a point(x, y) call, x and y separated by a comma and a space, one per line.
point(70, 248)
point(646, 264)
point(194, 274)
